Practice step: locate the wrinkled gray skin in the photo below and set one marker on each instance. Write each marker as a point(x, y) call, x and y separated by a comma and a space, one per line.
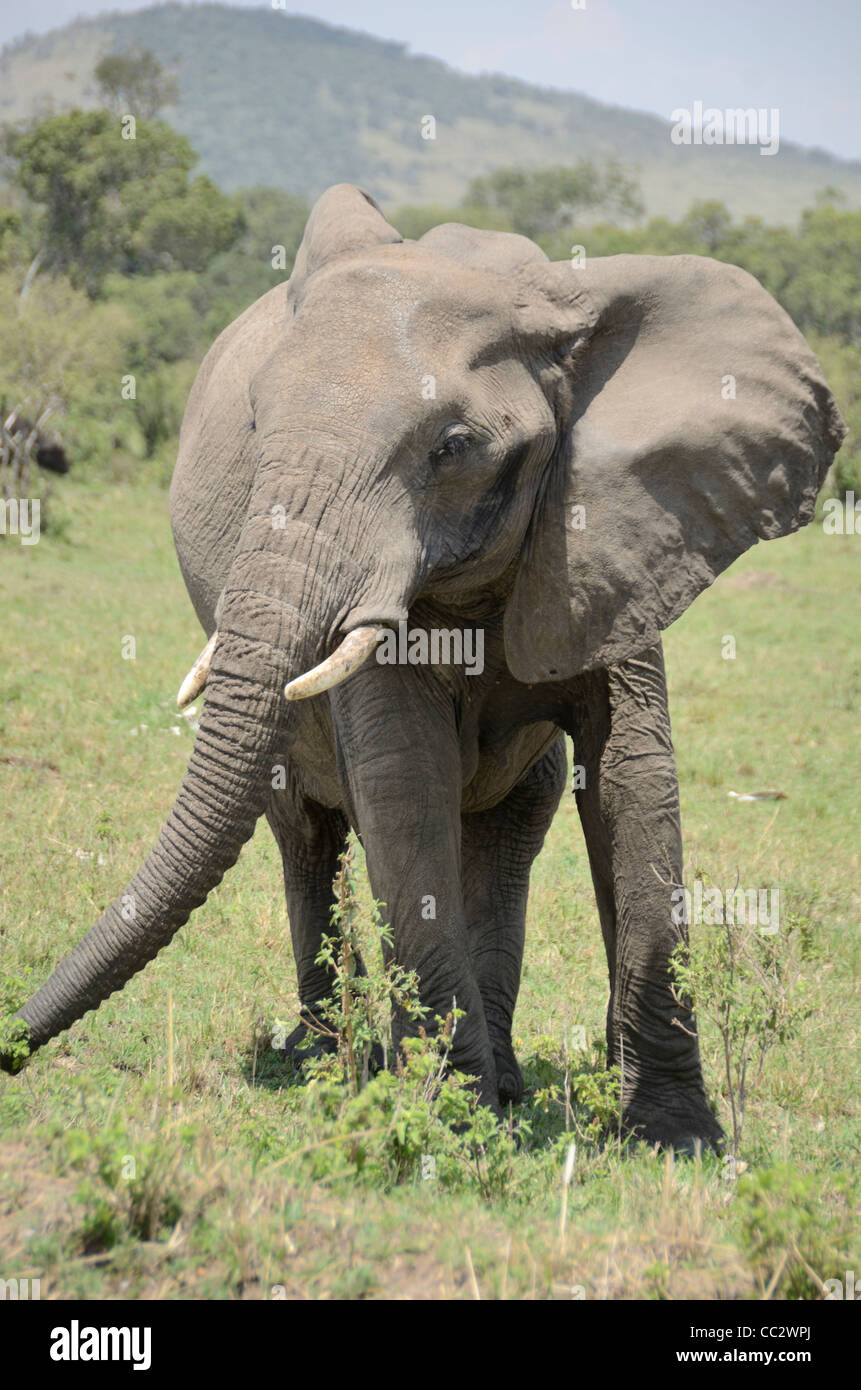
point(319, 488)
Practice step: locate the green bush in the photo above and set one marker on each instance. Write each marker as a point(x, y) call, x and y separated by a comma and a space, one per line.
point(14, 1047)
point(793, 1240)
point(134, 1184)
point(749, 988)
point(421, 1122)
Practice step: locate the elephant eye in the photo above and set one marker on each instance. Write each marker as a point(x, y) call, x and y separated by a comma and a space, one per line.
point(456, 440)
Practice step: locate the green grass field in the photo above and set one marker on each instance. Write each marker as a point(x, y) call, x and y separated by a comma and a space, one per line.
point(159, 1150)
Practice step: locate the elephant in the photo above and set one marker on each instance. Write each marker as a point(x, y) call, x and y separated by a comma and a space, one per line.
point(51, 452)
point(548, 460)
point(46, 444)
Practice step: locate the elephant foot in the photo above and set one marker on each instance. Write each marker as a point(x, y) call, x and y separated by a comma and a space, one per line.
point(509, 1077)
point(310, 1039)
point(686, 1129)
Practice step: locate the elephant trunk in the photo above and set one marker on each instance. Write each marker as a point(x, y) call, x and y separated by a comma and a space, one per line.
point(307, 570)
point(222, 795)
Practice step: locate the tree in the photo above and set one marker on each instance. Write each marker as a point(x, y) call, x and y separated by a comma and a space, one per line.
point(825, 293)
point(62, 351)
point(115, 204)
point(134, 83)
point(707, 225)
point(234, 279)
point(10, 235)
point(540, 202)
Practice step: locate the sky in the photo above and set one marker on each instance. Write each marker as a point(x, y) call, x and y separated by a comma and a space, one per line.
point(800, 56)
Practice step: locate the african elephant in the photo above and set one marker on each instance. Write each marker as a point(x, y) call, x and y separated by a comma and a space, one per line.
point(550, 461)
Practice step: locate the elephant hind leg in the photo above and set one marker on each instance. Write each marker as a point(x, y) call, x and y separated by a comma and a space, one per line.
point(499, 846)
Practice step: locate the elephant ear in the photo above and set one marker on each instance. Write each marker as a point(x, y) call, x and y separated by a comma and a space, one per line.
point(344, 220)
point(694, 422)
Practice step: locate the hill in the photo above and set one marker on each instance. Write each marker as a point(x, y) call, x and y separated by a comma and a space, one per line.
point(282, 100)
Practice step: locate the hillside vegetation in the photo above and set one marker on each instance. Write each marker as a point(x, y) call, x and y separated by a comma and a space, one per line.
point(120, 263)
point(289, 102)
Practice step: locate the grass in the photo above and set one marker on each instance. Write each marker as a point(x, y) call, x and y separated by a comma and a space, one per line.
point(159, 1149)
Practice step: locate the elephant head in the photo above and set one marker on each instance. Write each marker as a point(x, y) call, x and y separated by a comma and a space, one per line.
point(458, 419)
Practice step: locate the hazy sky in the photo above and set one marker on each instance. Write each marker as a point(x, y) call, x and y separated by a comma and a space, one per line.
point(801, 56)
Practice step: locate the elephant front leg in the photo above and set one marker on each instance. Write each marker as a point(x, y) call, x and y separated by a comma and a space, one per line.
point(629, 809)
point(499, 848)
point(400, 767)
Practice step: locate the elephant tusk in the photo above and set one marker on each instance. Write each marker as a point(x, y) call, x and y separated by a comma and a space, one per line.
point(350, 655)
point(198, 675)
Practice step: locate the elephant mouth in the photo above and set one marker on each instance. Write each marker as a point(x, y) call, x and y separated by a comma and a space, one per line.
point(351, 653)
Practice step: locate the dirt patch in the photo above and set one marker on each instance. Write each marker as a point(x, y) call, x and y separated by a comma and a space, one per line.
point(33, 764)
point(32, 1200)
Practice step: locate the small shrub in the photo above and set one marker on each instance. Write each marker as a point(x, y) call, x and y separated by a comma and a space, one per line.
point(749, 987)
point(587, 1099)
point(356, 1016)
point(14, 1045)
point(790, 1239)
point(131, 1186)
point(419, 1123)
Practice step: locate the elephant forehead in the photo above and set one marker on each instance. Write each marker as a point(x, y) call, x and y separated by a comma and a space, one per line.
point(413, 304)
